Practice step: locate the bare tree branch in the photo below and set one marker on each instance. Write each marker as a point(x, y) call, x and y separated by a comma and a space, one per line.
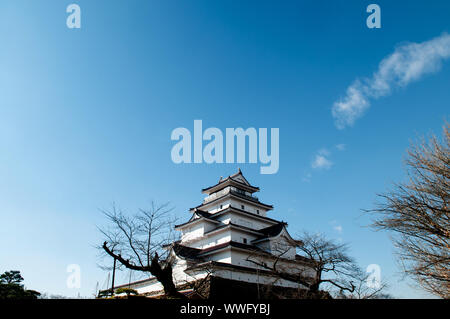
point(417, 213)
point(138, 242)
point(318, 259)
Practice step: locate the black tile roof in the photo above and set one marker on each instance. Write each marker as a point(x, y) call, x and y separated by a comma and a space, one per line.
point(212, 217)
point(195, 253)
point(236, 194)
point(202, 214)
point(185, 251)
point(232, 177)
point(268, 231)
point(273, 230)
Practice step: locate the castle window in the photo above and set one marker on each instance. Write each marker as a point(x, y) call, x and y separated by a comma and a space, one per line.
point(257, 211)
point(242, 207)
point(244, 240)
point(221, 206)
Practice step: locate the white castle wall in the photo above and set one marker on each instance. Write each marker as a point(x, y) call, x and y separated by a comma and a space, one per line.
point(221, 204)
point(235, 257)
point(196, 236)
point(193, 232)
point(243, 220)
point(256, 278)
point(210, 241)
point(220, 237)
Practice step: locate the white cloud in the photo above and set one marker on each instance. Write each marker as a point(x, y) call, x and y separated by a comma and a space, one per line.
point(408, 63)
point(338, 228)
point(341, 147)
point(324, 152)
point(321, 162)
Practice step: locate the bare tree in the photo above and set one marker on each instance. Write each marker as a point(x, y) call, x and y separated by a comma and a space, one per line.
point(364, 289)
point(330, 262)
point(320, 262)
point(417, 213)
point(274, 264)
point(201, 286)
point(139, 242)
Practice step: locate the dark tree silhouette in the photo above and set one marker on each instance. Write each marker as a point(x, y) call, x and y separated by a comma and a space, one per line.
point(138, 242)
point(330, 262)
point(11, 287)
point(11, 277)
point(320, 262)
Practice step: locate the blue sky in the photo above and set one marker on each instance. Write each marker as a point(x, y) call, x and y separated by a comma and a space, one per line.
point(86, 116)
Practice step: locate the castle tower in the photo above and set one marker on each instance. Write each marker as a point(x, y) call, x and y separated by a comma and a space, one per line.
point(230, 236)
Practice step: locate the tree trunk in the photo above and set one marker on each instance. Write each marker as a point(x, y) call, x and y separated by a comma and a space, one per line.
point(314, 287)
point(162, 274)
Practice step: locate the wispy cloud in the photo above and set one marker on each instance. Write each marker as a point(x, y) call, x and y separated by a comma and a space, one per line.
point(321, 160)
point(338, 228)
point(307, 178)
point(407, 64)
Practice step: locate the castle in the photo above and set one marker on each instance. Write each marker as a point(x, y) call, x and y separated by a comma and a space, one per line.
point(230, 240)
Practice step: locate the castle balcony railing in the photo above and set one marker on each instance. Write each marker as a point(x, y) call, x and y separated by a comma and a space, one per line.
point(233, 191)
point(244, 195)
